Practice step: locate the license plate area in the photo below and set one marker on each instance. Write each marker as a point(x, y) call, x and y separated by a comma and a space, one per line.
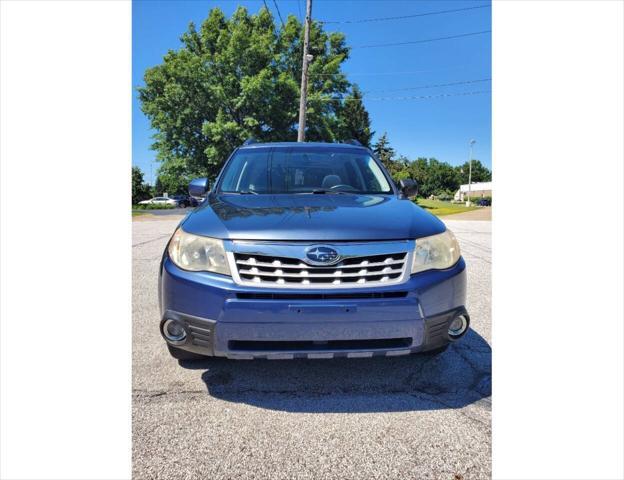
point(338, 309)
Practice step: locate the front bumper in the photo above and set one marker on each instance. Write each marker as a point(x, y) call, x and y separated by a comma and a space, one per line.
point(225, 319)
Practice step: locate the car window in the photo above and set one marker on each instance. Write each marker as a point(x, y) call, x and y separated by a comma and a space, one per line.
point(248, 170)
point(304, 170)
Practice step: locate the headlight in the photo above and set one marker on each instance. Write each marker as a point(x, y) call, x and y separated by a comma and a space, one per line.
point(435, 252)
point(196, 253)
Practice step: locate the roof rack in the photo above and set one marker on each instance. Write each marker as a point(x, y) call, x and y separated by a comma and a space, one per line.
point(250, 141)
point(353, 141)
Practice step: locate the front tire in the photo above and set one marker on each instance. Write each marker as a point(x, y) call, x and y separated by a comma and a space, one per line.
point(180, 354)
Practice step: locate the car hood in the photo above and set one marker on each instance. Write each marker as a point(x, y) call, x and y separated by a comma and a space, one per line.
point(323, 217)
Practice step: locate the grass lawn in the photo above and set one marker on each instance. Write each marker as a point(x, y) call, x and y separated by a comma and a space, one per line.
point(135, 213)
point(440, 208)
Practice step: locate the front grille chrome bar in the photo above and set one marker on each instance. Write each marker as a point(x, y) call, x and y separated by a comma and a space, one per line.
point(283, 265)
point(305, 274)
point(277, 263)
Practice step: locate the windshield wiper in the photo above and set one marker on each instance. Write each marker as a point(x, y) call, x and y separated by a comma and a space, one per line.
point(248, 192)
point(321, 191)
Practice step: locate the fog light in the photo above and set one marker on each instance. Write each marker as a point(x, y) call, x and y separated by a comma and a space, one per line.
point(174, 331)
point(458, 327)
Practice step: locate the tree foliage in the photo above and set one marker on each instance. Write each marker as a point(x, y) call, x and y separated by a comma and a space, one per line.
point(173, 177)
point(433, 177)
point(238, 78)
point(354, 119)
point(480, 173)
point(385, 153)
point(140, 189)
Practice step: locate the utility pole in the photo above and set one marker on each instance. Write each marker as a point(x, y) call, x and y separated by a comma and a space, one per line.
point(304, 73)
point(472, 142)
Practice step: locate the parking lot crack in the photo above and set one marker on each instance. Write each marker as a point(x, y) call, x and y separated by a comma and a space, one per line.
point(159, 393)
point(152, 240)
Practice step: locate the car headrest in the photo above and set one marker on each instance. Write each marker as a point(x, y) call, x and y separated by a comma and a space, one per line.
point(331, 181)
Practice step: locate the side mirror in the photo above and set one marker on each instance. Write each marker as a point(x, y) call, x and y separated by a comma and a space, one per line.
point(198, 187)
point(408, 187)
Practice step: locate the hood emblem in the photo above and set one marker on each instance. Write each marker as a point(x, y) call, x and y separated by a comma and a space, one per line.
point(321, 255)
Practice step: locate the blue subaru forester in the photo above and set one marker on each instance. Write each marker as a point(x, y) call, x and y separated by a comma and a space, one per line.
point(309, 250)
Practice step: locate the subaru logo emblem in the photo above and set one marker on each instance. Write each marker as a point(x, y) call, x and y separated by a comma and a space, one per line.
point(321, 255)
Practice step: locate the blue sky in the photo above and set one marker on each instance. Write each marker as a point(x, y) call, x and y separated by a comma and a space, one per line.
point(432, 127)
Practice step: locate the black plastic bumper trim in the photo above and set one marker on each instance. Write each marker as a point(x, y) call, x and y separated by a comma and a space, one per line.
point(200, 332)
point(436, 328)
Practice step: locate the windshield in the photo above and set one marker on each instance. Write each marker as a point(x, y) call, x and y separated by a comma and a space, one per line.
point(303, 170)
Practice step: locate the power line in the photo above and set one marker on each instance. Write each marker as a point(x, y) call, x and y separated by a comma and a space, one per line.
point(389, 73)
point(422, 41)
point(465, 82)
point(278, 12)
point(299, 8)
point(266, 6)
point(424, 97)
point(382, 19)
point(421, 97)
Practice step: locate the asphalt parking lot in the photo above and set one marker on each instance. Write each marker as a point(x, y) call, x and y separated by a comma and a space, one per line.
point(416, 417)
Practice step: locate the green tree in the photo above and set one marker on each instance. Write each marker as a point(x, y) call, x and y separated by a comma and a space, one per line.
point(441, 177)
point(354, 119)
point(480, 173)
point(158, 189)
point(238, 78)
point(385, 153)
point(418, 171)
point(140, 190)
point(173, 177)
point(433, 177)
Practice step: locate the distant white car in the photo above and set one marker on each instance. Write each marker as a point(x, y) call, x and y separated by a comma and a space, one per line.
point(160, 201)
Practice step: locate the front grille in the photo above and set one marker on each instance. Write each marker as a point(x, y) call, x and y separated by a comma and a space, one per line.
point(355, 271)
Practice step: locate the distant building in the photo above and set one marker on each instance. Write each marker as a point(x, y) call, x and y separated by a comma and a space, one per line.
point(477, 190)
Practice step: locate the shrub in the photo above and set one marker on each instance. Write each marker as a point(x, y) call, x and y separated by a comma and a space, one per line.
point(152, 207)
point(445, 197)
